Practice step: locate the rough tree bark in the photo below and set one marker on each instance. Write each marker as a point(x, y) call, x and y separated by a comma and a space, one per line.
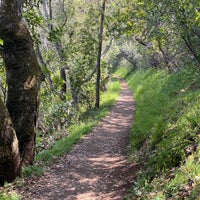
point(9, 152)
point(23, 76)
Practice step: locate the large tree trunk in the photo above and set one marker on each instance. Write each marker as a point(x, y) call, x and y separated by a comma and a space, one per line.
point(9, 151)
point(23, 76)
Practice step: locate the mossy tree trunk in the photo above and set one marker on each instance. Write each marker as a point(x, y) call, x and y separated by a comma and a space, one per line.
point(9, 152)
point(23, 76)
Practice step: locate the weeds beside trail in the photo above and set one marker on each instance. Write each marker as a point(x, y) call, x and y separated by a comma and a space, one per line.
point(166, 132)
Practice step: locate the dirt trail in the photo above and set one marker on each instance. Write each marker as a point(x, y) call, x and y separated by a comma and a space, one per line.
point(97, 167)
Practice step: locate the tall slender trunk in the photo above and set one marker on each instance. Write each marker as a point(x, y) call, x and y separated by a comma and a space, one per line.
point(97, 103)
point(64, 84)
point(23, 76)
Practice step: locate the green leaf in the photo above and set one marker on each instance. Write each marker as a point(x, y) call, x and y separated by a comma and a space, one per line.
point(1, 41)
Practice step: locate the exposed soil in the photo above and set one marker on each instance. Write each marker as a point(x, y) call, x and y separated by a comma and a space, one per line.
point(97, 168)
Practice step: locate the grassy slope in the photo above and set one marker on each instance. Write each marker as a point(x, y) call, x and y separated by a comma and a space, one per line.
point(165, 133)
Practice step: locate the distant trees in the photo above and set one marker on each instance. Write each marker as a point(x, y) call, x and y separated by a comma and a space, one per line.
point(69, 35)
point(165, 33)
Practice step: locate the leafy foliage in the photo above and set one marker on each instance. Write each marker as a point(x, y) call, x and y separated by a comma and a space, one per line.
point(165, 33)
point(8, 194)
point(65, 42)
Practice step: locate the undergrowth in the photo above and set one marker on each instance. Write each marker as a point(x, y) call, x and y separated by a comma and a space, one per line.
point(7, 193)
point(165, 133)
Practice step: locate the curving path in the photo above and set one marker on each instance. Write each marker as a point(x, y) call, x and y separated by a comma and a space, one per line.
point(97, 168)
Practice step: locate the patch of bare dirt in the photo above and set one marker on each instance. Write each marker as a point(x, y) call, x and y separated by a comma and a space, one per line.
point(97, 168)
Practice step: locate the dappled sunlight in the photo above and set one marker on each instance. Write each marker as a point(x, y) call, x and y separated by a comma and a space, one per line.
point(108, 161)
point(90, 181)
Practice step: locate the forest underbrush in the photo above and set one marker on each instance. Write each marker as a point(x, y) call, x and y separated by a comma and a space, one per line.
point(165, 133)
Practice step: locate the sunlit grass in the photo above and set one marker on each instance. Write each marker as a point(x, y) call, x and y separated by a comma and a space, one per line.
point(165, 133)
point(8, 194)
point(123, 72)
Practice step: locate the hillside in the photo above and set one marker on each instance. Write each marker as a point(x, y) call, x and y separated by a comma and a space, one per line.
point(165, 133)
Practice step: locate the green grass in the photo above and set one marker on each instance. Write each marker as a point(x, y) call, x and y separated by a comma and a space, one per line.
point(123, 72)
point(165, 132)
point(7, 194)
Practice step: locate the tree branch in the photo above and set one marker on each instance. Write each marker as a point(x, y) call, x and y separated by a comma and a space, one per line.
point(190, 47)
point(102, 56)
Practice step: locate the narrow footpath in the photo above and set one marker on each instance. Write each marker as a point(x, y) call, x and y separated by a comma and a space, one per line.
point(97, 168)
